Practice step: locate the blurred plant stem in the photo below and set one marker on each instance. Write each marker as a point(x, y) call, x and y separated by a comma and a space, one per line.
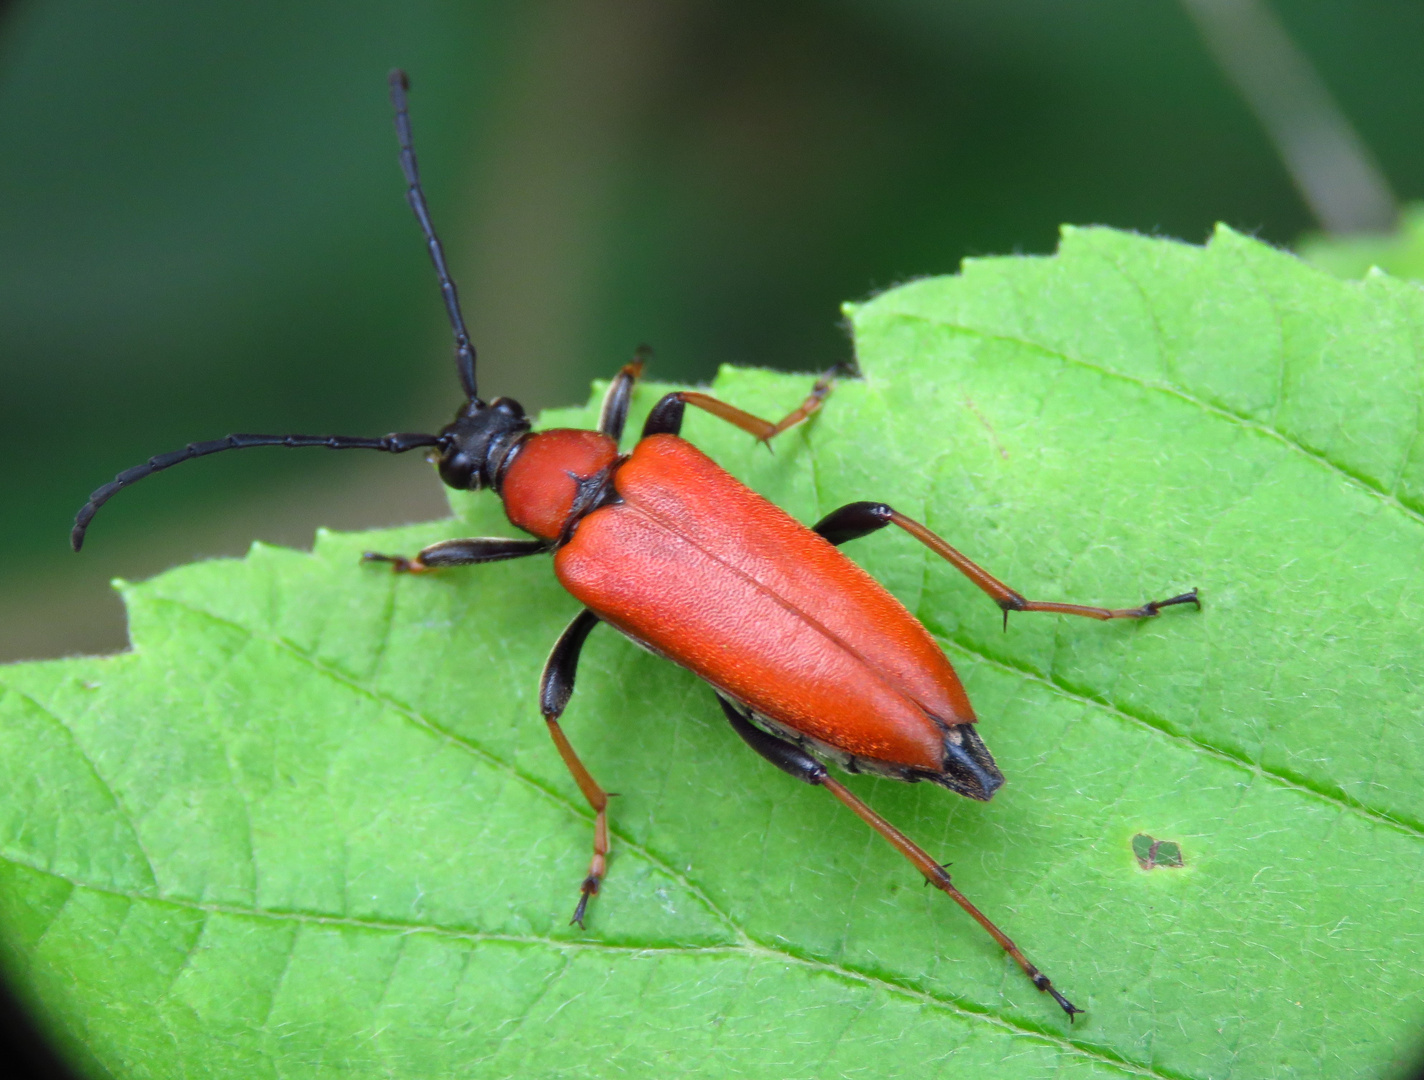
point(1329, 163)
point(566, 120)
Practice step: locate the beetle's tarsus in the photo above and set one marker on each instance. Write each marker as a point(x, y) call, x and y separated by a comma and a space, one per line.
point(1067, 1006)
point(1191, 597)
point(1152, 607)
point(399, 563)
point(1041, 981)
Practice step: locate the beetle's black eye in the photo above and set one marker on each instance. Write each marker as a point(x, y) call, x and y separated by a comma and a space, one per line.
point(508, 406)
point(458, 470)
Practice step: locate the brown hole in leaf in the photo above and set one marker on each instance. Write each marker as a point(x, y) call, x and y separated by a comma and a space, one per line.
point(1152, 853)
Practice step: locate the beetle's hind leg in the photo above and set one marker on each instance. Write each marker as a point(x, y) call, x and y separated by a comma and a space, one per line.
point(467, 552)
point(555, 689)
point(666, 417)
point(792, 759)
point(858, 519)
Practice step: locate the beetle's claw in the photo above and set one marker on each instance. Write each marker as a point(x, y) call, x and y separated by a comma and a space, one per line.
point(1041, 981)
point(589, 889)
point(1067, 1006)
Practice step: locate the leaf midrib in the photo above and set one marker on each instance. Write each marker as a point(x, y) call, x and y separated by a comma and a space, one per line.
point(1335, 796)
point(747, 946)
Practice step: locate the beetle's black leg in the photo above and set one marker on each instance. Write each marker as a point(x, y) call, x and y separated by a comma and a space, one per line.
point(853, 521)
point(792, 759)
point(786, 756)
point(666, 417)
point(555, 689)
point(475, 549)
point(857, 519)
point(614, 413)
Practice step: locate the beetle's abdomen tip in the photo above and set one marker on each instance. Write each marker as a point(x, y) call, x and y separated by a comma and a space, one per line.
point(969, 768)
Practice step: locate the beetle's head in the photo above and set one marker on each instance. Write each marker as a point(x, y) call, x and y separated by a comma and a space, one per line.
point(477, 445)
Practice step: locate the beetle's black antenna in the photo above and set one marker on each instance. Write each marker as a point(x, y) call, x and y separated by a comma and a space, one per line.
point(464, 351)
point(397, 443)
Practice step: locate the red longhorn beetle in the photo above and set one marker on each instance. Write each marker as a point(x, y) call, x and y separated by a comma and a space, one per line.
point(810, 658)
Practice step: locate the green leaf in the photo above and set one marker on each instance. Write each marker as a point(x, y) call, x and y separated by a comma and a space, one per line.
point(312, 825)
point(1400, 253)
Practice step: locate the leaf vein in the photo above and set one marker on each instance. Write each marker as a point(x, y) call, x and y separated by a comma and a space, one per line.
point(1335, 796)
point(1352, 478)
point(418, 718)
point(123, 812)
point(748, 947)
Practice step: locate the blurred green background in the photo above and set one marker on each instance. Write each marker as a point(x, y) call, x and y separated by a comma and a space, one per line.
point(203, 231)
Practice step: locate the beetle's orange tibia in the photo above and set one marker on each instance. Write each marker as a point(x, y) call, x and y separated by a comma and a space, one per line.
point(938, 876)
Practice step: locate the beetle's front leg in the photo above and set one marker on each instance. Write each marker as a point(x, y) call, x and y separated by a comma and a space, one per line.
point(858, 519)
point(555, 689)
point(475, 549)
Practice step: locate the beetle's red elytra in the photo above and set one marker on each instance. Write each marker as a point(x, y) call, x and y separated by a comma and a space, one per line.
point(778, 620)
point(811, 659)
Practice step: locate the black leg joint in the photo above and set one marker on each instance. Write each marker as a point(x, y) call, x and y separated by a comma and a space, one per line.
point(787, 758)
point(666, 417)
point(853, 521)
point(557, 685)
point(1014, 602)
